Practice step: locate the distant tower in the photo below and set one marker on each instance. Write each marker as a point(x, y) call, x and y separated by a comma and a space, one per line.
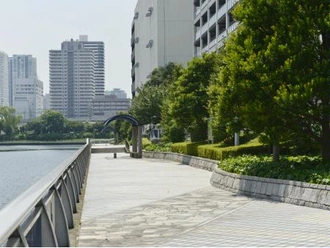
point(98, 48)
point(76, 76)
point(26, 90)
point(4, 80)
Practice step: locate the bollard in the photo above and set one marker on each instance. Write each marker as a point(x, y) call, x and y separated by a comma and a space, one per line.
point(115, 155)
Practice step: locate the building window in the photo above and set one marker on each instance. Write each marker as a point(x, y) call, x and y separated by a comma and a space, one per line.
point(213, 33)
point(204, 19)
point(204, 40)
point(230, 18)
point(212, 10)
point(222, 25)
point(221, 3)
point(149, 13)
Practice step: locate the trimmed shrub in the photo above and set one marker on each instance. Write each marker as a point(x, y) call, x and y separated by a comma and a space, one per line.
point(188, 148)
point(217, 152)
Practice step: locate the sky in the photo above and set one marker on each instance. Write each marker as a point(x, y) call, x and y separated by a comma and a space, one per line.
point(33, 27)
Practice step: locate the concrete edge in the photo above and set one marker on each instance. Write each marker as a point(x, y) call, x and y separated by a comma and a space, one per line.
point(197, 162)
point(293, 192)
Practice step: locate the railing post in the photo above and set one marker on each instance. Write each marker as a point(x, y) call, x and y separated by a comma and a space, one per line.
point(61, 224)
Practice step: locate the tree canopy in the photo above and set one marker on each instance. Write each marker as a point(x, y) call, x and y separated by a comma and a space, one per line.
point(188, 105)
point(275, 78)
point(8, 121)
point(146, 106)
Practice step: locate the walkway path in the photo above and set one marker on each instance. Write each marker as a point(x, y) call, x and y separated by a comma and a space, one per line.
point(148, 202)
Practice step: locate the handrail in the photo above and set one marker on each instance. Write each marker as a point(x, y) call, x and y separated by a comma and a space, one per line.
point(42, 215)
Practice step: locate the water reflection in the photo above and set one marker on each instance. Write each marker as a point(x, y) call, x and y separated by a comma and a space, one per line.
point(22, 166)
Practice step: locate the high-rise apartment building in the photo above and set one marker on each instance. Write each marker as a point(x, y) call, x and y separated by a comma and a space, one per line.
point(76, 76)
point(98, 48)
point(162, 32)
point(213, 22)
point(26, 90)
point(4, 80)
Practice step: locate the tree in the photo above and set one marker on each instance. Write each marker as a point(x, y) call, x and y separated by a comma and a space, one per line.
point(188, 103)
point(146, 106)
point(266, 82)
point(52, 122)
point(8, 120)
point(48, 126)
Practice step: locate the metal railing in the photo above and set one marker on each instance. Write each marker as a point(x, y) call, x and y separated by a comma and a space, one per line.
point(43, 215)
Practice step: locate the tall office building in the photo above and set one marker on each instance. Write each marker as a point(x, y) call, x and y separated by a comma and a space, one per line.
point(76, 76)
point(26, 90)
point(162, 32)
point(4, 80)
point(213, 22)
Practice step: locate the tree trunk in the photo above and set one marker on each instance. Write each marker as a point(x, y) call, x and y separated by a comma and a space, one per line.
point(276, 152)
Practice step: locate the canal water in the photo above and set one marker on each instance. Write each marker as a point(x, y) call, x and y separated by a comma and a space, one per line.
point(22, 166)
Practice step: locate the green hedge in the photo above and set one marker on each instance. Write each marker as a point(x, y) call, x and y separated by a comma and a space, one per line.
point(216, 151)
point(188, 148)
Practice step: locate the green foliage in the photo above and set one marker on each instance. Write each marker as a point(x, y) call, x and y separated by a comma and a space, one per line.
point(265, 83)
point(188, 148)
point(216, 152)
point(210, 151)
point(146, 143)
point(147, 104)
point(123, 130)
point(188, 100)
point(8, 122)
point(171, 132)
point(161, 147)
point(52, 126)
point(299, 168)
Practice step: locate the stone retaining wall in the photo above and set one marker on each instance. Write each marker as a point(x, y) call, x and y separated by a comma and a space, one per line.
point(294, 192)
point(201, 163)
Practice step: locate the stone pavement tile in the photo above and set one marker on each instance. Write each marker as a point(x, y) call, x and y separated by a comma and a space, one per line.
point(263, 224)
point(160, 221)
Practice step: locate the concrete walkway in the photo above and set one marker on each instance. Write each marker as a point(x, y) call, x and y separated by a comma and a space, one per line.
point(149, 202)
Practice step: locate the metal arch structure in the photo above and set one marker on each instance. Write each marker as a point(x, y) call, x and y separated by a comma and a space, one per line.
point(125, 117)
point(136, 132)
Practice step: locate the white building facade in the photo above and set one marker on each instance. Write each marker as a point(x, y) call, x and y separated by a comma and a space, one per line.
point(25, 89)
point(76, 76)
point(162, 32)
point(4, 79)
point(104, 107)
point(212, 23)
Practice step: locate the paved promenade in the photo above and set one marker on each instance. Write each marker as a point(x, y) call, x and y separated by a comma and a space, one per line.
point(149, 202)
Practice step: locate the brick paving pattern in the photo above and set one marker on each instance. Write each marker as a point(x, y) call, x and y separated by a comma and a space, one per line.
point(148, 202)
